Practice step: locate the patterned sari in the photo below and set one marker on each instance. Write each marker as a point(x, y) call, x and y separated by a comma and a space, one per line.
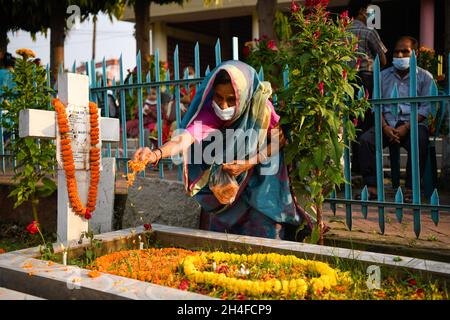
point(265, 205)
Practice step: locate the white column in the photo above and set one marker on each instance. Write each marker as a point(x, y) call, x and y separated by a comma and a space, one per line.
point(427, 9)
point(255, 25)
point(159, 37)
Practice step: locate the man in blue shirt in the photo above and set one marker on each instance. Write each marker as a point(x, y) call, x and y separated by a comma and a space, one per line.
point(396, 117)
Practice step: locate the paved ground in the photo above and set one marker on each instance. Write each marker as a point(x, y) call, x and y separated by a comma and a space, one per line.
point(433, 239)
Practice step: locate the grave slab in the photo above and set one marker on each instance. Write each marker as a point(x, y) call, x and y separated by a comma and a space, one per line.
point(21, 271)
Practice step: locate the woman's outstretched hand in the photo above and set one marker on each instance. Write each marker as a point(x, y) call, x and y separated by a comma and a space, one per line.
point(236, 167)
point(145, 155)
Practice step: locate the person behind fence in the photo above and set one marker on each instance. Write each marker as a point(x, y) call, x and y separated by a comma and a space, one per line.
point(249, 192)
point(369, 45)
point(396, 118)
point(149, 113)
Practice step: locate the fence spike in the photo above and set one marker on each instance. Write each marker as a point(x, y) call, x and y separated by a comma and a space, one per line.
point(140, 104)
point(74, 67)
point(148, 78)
point(124, 118)
point(399, 200)
point(176, 71)
point(218, 53)
point(435, 212)
point(332, 204)
point(286, 77)
point(158, 110)
point(197, 60)
point(207, 71)
point(434, 92)
point(378, 142)
point(130, 81)
point(394, 95)
point(414, 142)
point(364, 197)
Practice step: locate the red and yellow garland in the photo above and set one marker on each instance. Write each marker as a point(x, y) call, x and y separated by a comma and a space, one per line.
point(69, 164)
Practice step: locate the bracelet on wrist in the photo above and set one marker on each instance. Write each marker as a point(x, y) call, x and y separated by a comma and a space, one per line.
point(158, 158)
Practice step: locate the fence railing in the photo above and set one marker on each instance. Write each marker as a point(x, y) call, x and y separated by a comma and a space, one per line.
point(136, 88)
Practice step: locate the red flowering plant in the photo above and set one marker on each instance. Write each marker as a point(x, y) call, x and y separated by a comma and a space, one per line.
point(262, 53)
point(46, 249)
point(319, 97)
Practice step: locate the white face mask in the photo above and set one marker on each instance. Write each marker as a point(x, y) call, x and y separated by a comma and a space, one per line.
point(401, 63)
point(225, 114)
point(151, 102)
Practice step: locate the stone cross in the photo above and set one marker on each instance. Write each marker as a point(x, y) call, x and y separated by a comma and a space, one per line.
point(73, 92)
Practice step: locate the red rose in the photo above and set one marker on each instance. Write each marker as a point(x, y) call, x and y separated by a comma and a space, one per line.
point(184, 285)
point(223, 269)
point(317, 34)
point(87, 214)
point(33, 227)
point(147, 226)
point(344, 74)
point(412, 282)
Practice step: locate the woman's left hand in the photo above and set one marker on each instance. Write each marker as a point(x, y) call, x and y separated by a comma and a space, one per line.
point(236, 167)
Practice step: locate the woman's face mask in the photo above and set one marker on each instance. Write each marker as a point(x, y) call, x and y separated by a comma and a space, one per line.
point(225, 97)
point(225, 114)
point(401, 63)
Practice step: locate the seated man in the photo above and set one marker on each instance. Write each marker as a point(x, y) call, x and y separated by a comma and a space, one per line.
point(396, 125)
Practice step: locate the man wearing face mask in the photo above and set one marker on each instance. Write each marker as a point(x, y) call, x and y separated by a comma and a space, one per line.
point(396, 118)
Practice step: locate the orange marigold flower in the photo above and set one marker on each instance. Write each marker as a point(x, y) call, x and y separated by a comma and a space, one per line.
point(94, 274)
point(26, 53)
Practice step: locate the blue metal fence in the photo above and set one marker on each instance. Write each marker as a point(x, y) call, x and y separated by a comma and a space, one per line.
point(122, 88)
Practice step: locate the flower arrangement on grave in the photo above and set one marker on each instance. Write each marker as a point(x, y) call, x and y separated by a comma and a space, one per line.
point(68, 161)
point(256, 276)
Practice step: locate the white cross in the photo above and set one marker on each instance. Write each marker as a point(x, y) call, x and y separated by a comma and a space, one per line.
point(73, 92)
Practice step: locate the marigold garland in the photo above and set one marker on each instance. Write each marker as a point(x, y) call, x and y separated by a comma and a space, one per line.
point(298, 287)
point(69, 164)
